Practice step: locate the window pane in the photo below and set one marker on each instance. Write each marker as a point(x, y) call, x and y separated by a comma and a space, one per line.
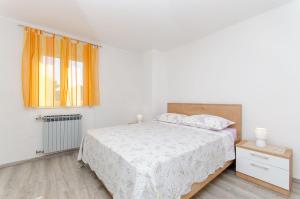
point(74, 83)
point(69, 95)
point(57, 82)
point(79, 84)
point(42, 83)
point(49, 81)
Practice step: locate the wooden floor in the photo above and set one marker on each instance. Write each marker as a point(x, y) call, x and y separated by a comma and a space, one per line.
point(61, 177)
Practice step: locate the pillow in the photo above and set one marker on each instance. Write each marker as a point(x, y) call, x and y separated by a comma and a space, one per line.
point(207, 122)
point(171, 118)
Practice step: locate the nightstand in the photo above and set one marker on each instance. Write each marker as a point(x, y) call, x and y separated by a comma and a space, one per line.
point(269, 166)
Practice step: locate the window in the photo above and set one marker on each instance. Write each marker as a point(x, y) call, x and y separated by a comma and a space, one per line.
point(58, 72)
point(49, 83)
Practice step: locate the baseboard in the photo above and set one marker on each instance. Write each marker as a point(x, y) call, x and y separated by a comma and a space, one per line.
point(45, 156)
point(295, 180)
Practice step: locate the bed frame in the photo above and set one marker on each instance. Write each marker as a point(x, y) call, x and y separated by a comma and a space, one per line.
point(232, 112)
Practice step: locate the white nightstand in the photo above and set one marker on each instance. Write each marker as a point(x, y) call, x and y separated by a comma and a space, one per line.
point(270, 166)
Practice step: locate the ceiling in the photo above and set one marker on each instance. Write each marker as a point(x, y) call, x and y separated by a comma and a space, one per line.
point(136, 24)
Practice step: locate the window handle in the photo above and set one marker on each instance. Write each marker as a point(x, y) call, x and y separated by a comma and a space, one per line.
point(260, 156)
point(259, 166)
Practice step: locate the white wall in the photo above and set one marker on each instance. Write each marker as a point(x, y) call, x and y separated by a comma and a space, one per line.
point(255, 63)
point(122, 87)
point(21, 135)
point(155, 83)
point(159, 83)
point(147, 62)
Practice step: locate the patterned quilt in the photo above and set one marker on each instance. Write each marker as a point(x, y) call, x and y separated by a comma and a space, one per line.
point(154, 160)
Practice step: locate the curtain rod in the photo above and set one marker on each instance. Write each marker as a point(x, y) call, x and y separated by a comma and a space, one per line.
point(52, 33)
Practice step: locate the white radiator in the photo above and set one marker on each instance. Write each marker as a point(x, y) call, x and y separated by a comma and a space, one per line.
point(61, 132)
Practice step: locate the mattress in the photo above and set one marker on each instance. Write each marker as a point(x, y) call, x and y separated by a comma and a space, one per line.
point(154, 160)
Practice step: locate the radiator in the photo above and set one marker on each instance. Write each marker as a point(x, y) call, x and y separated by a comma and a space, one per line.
point(61, 132)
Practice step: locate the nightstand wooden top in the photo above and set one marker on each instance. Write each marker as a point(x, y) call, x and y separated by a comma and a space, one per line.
point(279, 151)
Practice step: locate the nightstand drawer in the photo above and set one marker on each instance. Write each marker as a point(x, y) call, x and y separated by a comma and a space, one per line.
point(263, 158)
point(267, 173)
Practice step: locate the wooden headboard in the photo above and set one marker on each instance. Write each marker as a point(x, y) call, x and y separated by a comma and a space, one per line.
point(231, 112)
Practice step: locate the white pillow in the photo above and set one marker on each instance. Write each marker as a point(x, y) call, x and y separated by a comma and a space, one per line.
point(207, 122)
point(174, 118)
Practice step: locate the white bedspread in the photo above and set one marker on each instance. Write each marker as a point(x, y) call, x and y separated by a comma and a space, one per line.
point(154, 160)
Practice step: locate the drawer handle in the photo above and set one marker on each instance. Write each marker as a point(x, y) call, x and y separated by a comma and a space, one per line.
point(259, 156)
point(259, 166)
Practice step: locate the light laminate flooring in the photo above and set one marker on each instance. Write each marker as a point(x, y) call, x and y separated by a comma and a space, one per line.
point(60, 177)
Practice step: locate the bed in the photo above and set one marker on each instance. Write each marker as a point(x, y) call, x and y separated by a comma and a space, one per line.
point(161, 160)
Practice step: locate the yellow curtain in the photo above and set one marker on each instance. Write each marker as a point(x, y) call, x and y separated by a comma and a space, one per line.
point(30, 69)
point(65, 46)
point(54, 71)
point(91, 79)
